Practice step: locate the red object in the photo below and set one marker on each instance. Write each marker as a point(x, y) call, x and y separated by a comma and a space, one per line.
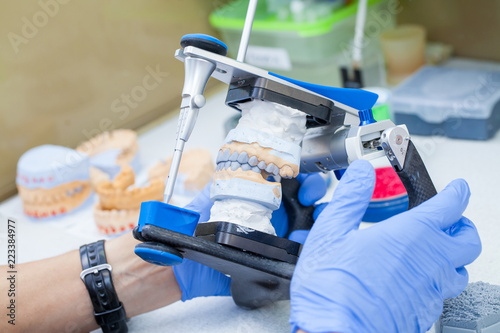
point(387, 184)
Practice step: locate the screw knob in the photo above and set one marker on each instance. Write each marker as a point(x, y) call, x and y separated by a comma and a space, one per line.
point(205, 42)
point(366, 117)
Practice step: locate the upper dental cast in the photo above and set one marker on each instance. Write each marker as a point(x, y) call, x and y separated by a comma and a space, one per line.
point(265, 143)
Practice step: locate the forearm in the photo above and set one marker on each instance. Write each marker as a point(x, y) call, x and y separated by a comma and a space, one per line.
point(141, 287)
point(52, 298)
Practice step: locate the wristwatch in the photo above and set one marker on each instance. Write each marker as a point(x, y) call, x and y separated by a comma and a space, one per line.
point(96, 275)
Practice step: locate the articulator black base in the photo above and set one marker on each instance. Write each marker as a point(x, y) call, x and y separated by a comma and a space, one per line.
point(260, 265)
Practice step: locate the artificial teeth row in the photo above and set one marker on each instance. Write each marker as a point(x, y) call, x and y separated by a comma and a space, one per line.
point(226, 160)
point(261, 166)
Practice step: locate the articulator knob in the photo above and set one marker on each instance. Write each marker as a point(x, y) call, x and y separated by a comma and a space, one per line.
point(205, 42)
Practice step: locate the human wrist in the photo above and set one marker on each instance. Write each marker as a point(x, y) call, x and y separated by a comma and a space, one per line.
point(141, 287)
point(97, 277)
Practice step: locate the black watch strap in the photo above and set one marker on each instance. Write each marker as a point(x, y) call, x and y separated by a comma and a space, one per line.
point(96, 275)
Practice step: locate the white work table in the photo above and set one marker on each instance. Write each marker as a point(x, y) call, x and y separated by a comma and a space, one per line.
point(478, 162)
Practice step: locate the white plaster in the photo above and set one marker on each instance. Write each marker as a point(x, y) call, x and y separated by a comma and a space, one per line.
point(242, 212)
point(274, 119)
point(263, 194)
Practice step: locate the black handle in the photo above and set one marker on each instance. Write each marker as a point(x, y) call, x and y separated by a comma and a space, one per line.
point(300, 217)
point(415, 178)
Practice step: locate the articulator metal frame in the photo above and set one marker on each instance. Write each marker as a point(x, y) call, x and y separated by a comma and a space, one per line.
point(261, 265)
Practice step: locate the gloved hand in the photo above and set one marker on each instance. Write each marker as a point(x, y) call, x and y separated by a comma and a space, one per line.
point(390, 277)
point(312, 188)
point(194, 279)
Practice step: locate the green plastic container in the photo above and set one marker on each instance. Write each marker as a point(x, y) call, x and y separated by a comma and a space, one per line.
point(309, 51)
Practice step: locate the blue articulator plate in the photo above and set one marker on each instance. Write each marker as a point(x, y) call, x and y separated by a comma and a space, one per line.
point(355, 98)
point(255, 280)
point(317, 101)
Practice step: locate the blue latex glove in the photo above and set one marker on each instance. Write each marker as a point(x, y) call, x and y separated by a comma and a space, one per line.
point(390, 277)
point(194, 279)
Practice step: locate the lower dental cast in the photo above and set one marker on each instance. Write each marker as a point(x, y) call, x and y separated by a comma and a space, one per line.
point(265, 143)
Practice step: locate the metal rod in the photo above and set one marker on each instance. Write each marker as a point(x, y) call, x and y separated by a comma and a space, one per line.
point(174, 168)
point(247, 29)
point(357, 54)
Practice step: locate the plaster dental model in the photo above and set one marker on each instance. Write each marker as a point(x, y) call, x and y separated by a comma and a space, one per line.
point(195, 172)
point(119, 202)
point(110, 151)
point(266, 142)
point(52, 180)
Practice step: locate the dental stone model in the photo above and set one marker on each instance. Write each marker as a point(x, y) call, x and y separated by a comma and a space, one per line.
point(109, 152)
point(52, 180)
point(119, 202)
point(266, 142)
point(195, 172)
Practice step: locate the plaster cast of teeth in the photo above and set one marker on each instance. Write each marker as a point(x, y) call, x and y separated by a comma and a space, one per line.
point(266, 141)
point(110, 151)
point(286, 172)
point(233, 157)
point(246, 167)
point(246, 213)
point(122, 139)
point(243, 158)
point(273, 120)
point(97, 176)
point(119, 203)
point(195, 171)
point(52, 180)
point(118, 195)
point(266, 155)
point(52, 195)
point(253, 161)
point(270, 168)
point(267, 194)
point(235, 165)
point(61, 199)
point(283, 149)
point(115, 221)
